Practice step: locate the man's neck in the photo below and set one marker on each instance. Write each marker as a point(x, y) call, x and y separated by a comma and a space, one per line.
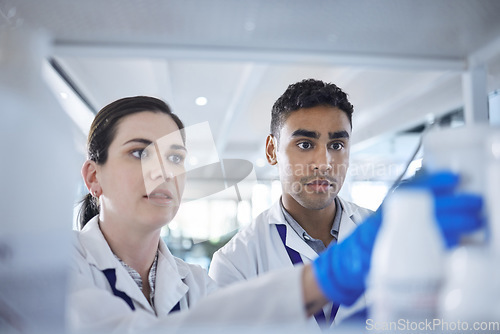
point(317, 223)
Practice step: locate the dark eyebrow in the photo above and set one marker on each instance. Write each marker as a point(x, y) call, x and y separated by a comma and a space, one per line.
point(138, 140)
point(338, 134)
point(178, 147)
point(315, 135)
point(149, 142)
point(305, 133)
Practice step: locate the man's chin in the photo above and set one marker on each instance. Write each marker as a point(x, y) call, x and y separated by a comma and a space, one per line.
point(318, 202)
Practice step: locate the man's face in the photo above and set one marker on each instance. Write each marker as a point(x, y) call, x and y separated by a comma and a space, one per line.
point(312, 156)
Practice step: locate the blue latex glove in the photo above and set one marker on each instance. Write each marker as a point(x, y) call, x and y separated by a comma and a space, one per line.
point(456, 213)
point(342, 269)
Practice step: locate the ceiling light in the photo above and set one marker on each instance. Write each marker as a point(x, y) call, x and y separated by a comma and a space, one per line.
point(201, 101)
point(249, 26)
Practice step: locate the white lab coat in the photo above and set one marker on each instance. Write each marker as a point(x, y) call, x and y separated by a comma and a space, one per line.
point(92, 306)
point(258, 249)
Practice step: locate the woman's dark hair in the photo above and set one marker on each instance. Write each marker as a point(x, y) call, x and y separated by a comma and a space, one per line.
point(103, 130)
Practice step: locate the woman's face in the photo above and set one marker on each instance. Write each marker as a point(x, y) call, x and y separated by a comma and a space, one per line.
point(143, 178)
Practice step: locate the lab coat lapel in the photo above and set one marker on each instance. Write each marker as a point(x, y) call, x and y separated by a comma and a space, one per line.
point(100, 255)
point(170, 287)
point(97, 249)
point(295, 242)
point(347, 221)
point(292, 238)
point(125, 283)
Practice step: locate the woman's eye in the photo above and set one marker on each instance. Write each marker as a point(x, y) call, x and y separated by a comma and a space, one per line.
point(176, 158)
point(304, 145)
point(140, 154)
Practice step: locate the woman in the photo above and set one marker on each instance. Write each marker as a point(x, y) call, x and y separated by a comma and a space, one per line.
point(125, 276)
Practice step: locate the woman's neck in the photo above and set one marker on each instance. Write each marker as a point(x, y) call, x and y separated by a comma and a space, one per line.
point(137, 248)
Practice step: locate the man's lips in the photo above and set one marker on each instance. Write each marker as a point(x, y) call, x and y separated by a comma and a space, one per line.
point(319, 183)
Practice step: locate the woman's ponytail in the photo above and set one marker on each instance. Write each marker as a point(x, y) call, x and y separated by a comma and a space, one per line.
point(89, 209)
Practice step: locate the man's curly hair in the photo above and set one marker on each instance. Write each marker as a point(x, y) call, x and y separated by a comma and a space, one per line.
point(308, 93)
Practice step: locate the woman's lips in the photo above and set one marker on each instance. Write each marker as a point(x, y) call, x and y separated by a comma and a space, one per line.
point(160, 197)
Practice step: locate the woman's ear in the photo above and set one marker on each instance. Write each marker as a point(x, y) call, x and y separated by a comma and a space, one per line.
point(89, 173)
point(271, 148)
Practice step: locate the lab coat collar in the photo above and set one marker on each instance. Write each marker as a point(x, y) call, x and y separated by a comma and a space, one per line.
point(97, 251)
point(294, 241)
point(170, 287)
point(347, 222)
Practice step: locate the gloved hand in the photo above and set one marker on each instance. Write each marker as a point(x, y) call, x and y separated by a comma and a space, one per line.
point(342, 269)
point(456, 213)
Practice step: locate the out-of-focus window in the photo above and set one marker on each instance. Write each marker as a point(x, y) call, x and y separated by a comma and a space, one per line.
point(203, 226)
point(369, 194)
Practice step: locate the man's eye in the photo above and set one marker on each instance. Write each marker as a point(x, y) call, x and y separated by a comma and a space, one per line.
point(140, 154)
point(304, 145)
point(337, 146)
point(176, 158)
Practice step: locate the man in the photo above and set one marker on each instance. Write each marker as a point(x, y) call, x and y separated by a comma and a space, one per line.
point(309, 143)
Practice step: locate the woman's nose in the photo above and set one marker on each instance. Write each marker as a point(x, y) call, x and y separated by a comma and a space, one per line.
point(156, 172)
point(160, 172)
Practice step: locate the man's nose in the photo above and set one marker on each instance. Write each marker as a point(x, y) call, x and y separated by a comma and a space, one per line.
point(322, 161)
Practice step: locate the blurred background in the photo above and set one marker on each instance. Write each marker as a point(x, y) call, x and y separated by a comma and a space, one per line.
point(403, 63)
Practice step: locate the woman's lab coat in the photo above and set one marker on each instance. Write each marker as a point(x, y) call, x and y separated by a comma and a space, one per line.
point(258, 249)
point(93, 305)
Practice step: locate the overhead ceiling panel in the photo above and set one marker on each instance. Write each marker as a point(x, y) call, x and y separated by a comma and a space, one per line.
point(425, 28)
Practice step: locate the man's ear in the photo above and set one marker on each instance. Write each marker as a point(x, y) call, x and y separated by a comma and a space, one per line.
point(89, 173)
point(271, 148)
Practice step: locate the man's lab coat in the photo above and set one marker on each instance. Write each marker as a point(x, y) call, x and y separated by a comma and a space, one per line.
point(93, 306)
point(258, 249)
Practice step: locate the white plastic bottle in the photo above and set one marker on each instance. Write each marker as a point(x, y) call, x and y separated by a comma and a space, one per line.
point(471, 291)
point(407, 262)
